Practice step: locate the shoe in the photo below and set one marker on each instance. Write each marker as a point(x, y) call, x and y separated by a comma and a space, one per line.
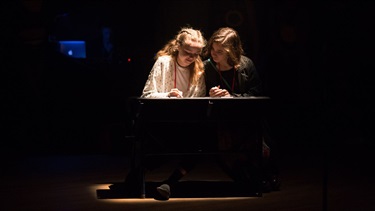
point(164, 191)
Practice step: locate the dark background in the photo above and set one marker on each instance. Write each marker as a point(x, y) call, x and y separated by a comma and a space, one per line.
point(315, 59)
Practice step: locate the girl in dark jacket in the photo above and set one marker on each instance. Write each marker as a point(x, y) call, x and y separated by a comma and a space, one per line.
point(229, 73)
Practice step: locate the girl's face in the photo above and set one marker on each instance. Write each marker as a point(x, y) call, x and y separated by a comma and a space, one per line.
point(187, 55)
point(218, 54)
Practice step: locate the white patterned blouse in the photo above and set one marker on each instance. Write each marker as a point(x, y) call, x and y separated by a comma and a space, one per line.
point(162, 79)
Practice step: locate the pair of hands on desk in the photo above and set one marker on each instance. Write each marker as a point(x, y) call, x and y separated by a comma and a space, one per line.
point(214, 92)
point(175, 93)
point(217, 92)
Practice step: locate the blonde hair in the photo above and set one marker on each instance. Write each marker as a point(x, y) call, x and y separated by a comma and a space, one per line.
point(187, 36)
point(231, 42)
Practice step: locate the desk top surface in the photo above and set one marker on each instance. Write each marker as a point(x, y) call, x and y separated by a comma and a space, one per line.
point(205, 98)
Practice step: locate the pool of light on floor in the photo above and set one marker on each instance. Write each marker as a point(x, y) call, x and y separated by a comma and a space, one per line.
point(95, 187)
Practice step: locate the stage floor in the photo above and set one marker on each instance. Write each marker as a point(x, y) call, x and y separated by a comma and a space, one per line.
point(311, 180)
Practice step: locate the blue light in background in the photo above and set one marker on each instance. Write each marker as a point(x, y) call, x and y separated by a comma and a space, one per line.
point(75, 49)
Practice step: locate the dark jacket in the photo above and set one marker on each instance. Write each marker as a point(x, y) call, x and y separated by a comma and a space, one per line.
point(246, 82)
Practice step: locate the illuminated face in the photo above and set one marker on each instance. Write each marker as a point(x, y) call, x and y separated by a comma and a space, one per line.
point(187, 55)
point(218, 53)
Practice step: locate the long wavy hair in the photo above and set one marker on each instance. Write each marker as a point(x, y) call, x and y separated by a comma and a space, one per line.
point(187, 36)
point(231, 42)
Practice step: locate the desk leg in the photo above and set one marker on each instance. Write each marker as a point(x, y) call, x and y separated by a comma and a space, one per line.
point(259, 184)
point(139, 179)
point(140, 169)
point(142, 183)
point(136, 176)
point(259, 171)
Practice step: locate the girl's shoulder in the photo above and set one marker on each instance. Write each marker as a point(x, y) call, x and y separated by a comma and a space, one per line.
point(164, 59)
point(246, 59)
point(246, 62)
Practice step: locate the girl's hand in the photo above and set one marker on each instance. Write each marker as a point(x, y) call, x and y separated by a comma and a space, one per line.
point(217, 92)
point(175, 93)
